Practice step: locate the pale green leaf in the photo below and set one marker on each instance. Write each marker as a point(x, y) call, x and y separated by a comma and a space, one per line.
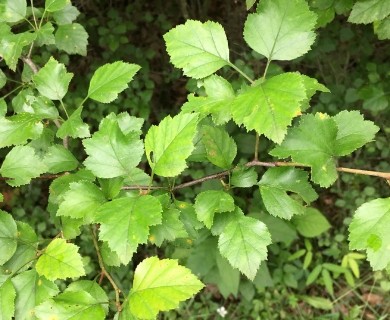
point(275, 188)
point(110, 258)
point(369, 230)
point(81, 201)
point(3, 81)
point(369, 10)
point(12, 10)
point(249, 4)
point(8, 237)
point(7, 298)
point(169, 144)
point(17, 166)
point(128, 123)
point(72, 38)
point(66, 15)
point(220, 147)
point(311, 87)
point(45, 35)
point(318, 302)
point(281, 29)
point(160, 285)
point(244, 243)
point(111, 153)
point(311, 224)
point(31, 290)
point(381, 28)
point(3, 109)
point(60, 260)
point(243, 177)
point(74, 127)
point(270, 106)
point(55, 5)
point(125, 222)
point(1, 197)
point(207, 203)
point(59, 159)
point(52, 80)
point(200, 49)
point(111, 187)
point(93, 289)
point(110, 80)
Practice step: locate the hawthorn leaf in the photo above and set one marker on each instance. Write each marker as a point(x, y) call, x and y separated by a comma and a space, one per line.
point(200, 49)
point(207, 203)
point(249, 4)
point(17, 166)
point(72, 38)
point(26, 102)
point(125, 222)
point(243, 177)
point(81, 201)
point(45, 35)
point(7, 298)
point(18, 129)
point(3, 81)
point(269, 107)
point(74, 127)
point(111, 153)
point(55, 5)
point(275, 186)
point(369, 11)
point(369, 231)
point(66, 15)
point(311, 87)
point(381, 28)
point(31, 290)
point(244, 243)
point(12, 10)
point(3, 109)
point(111, 79)
point(59, 159)
point(169, 144)
point(220, 95)
point(52, 81)
point(220, 147)
point(311, 224)
point(8, 237)
point(160, 285)
point(281, 29)
point(111, 187)
point(128, 123)
point(60, 260)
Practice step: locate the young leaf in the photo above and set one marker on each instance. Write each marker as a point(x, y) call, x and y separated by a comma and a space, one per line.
point(8, 236)
point(124, 223)
point(59, 159)
point(111, 79)
point(159, 285)
point(270, 106)
point(17, 166)
point(111, 153)
point(369, 231)
point(209, 202)
point(72, 38)
point(55, 5)
point(60, 260)
point(275, 185)
point(66, 15)
point(244, 243)
point(311, 224)
point(31, 290)
point(169, 144)
point(52, 80)
point(198, 48)
point(220, 147)
point(7, 298)
point(281, 29)
point(12, 10)
point(369, 11)
point(74, 127)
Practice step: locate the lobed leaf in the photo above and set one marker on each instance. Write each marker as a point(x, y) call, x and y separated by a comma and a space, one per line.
point(66, 15)
point(74, 126)
point(59, 159)
point(369, 11)
point(12, 10)
point(72, 38)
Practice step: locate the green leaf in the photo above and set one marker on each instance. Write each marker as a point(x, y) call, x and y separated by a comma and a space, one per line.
point(8, 235)
point(26, 102)
point(66, 15)
point(249, 4)
point(81, 201)
point(3, 109)
point(52, 80)
point(169, 144)
point(220, 147)
point(243, 177)
point(369, 231)
point(45, 35)
point(111, 153)
point(111, 187)
point(3, 81)
point(207, 203)
point(12, 10)
point(55, 5)
point(269, 107)
point(7, 298)
point(244, 243)
point(381, 28)
point(368, 11)
point(74, 127)
point(159, 285)
point(220, 96)
point(60, 260)
point(275, 186)
point(125, 222)
point(17, 166)
point(311, 87)
point(318, 302)
point(72, 38)
point(59, 159)
point(128, 123)
point(198, 48)
point(280, 230)
point(31, 290)
point(111, 79)
point(227, 279)
point(311, 224)
point(281, 29)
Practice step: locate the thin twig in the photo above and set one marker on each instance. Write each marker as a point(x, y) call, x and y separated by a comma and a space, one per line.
point(27, 60)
